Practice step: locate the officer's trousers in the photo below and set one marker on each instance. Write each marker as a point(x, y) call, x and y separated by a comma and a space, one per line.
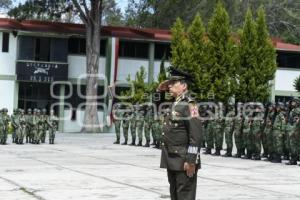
point(181, 186)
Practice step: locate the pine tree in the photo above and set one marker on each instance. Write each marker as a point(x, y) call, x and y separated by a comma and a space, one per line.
point(179, 46)
point(297, 84)
point(266, 58)
point(248, 79)
point(222, 55)
point(198, 58)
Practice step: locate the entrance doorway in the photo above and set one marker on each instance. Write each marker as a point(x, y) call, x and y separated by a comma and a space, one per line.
point(36, 95)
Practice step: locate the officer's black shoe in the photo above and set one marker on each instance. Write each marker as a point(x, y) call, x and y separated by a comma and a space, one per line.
point(139, 144)
point(117, 142)
point(208, 151)
point(292, 162)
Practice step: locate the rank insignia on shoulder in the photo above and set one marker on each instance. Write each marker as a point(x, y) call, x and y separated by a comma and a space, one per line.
point(194, 110)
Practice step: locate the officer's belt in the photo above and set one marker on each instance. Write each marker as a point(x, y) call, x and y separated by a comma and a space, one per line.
point(176, 149)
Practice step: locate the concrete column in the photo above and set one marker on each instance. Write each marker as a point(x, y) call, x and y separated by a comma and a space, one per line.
point(151, 62)
point(273, 90)
point(111, 50)
point(61, 107)
point(16, 94)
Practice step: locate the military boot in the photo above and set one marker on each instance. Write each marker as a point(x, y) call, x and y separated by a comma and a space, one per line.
point(217, 152)
point(117, 141)
point(207, 151)
point(133, 142)
point(153, 143)
point(147, 144)
point(256, 157)
point(292, 162)
point(228, 153)
point(276, 159)
point(238, 154)
point(139, 144)
point(124, 143)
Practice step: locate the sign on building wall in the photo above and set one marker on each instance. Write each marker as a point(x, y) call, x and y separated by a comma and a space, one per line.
point(41, 71)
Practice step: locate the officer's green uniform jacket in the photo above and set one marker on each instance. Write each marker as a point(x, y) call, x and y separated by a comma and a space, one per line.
point(181, 136)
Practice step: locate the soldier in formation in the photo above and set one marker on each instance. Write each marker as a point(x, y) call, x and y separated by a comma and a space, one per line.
point(30, 127)
point(271, 132)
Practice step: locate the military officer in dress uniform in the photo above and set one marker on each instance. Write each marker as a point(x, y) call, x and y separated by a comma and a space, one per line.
point(181, 138)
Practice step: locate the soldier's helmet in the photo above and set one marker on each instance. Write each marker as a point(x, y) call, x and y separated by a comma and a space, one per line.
point(44, 111)
point(38, 111)
point(15, 111)
point(22, 111)
point(29, 111)
point(5, 110)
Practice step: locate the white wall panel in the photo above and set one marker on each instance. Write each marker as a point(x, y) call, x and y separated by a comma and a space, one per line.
point(284, 79)
point(7, 95)
point(130, 67)
point(8, 60)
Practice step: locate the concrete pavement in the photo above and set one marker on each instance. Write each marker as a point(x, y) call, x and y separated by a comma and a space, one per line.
point(89, 166)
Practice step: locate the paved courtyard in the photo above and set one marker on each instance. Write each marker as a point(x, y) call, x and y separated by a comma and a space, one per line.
point(88, 166)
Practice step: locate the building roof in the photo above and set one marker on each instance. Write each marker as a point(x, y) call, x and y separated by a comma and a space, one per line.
point(113, 31)
point(68, 28)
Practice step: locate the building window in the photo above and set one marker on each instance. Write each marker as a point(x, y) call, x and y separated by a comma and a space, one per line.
point(134, 49)
point(283, 99)
point(78, 46)
point(288, 60)
point(76, 100)
point(5, 42)
point(162, 50)
point(42, 49)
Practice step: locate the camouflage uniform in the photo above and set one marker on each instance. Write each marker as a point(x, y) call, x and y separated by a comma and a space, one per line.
point(294, 140)
point(117, 116)
point(2, 128)
point(229, 129)
point(21, 128)
point(247, 136)
point(29, 117)
point(44, 118)
point(211, 124)
point(238, 132)
point(219, 135)
point(14, 117)
point(278, 130)
point(256, 132)
point(140, 125)
point(268, 138)
point(133, 127)
point(125, 125)
point(52, 123)
point(148, 125)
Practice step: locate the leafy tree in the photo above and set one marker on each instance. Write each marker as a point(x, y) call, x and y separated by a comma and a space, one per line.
point(297, 84)
point(5, 3)
point(179, 46)
point(222, 55)
point(139, 86)
point(248, 61)
point(64, 11)
point(266, 58)
point(198, 58)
